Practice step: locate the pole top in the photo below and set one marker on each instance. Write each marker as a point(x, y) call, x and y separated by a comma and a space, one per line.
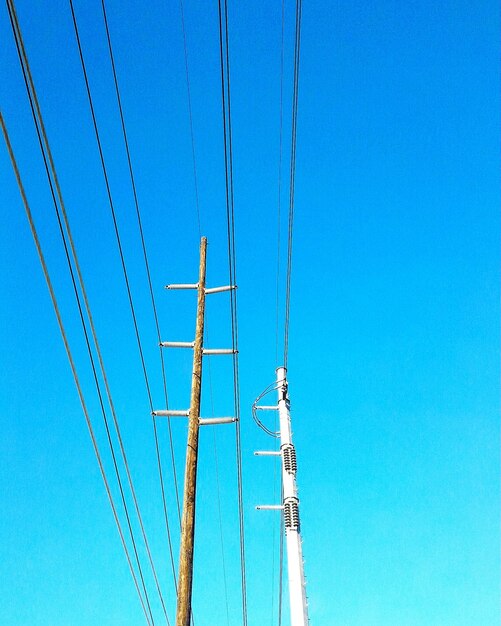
point(281, 367)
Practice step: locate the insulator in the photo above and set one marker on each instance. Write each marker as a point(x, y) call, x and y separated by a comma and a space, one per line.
point(291, 514)
point(289, 457)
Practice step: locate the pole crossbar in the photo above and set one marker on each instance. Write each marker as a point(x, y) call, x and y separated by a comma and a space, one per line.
point(220, 289)
point(214, 351)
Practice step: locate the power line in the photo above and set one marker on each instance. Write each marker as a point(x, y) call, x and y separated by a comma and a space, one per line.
point(279, 203)
point(153, 303)
point(281, 564)
point(71, 360)
point(297, 47)
point(228, 166)
point(45, 147)
point(197, 204)
point(218, 488)
point(120, 249)
point(190, 112)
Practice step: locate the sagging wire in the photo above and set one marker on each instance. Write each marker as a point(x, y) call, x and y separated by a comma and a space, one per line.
point(255, 408)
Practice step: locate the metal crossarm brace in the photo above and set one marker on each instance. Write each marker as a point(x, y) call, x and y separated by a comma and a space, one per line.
point(267, 453)
point(207, 291)
point(270, 507)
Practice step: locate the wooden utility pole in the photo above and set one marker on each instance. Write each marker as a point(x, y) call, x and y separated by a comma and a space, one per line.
point(184, 588)
point(183, 613)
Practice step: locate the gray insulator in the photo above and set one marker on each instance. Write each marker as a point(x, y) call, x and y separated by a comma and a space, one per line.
point(291, 514)
point(289, 457)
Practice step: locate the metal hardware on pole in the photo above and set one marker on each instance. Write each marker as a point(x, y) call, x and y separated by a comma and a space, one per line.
point(210, 421)
point(270, 507)
point(267, 453)
point(177, 344)
point(182, 286)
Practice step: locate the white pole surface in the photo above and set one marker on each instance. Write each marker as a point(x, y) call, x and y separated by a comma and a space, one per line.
point(295, 565)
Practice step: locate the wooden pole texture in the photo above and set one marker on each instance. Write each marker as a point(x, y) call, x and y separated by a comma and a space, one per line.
point(183, 613)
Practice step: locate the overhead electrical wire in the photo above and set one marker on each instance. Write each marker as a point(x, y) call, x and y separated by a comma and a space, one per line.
point(279, 198)
point(54, 182)
point(71, 360)
point(30, 85)
point(153, 304)
point(279, 221)
point(119, 244)
point(190, 113)
point(297, 48)
point(281, 564)
point(72, 363)
point(198, 213)
point(228, 166)
point(218, 490)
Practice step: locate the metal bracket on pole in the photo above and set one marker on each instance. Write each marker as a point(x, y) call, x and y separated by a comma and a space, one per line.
point(169, 413)
point(183, 286)
point(209, 351)
point(270, 507)
point(266, 408)
point(177, 344)
point(267, 453)
point(209, 421)
point(207, 290)
point(220, 289)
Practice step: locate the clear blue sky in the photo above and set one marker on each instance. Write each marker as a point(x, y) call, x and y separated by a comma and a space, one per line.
point(394, 344)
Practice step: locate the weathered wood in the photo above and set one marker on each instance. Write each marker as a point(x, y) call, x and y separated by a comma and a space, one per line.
point(183, 613)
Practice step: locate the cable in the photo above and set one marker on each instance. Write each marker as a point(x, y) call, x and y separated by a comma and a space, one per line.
point(292, 176)
point(279, 203)
point(117, 234)
point(276, 475)
point(71, 360)
point(30, 86)
point(281, 565)
point(228, 165)
point(218, 488)
point(188, 91)
point(153, 303)
point(271, 387)
point(40, 128)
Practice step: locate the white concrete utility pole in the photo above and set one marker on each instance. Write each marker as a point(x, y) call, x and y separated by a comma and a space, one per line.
point(290, 505)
